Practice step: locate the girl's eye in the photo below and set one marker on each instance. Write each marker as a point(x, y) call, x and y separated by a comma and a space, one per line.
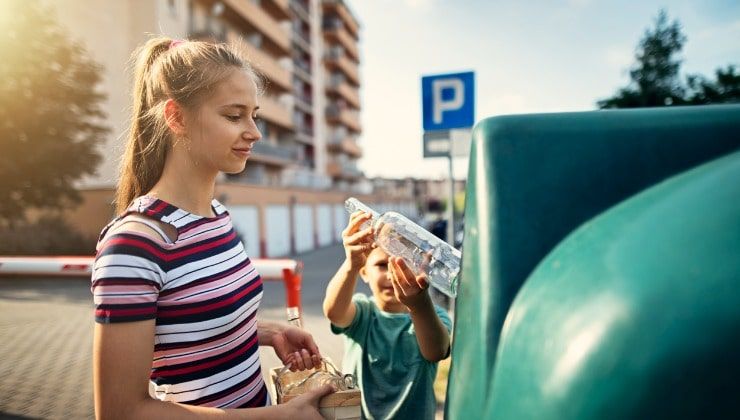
point(233, 118)
point(255, 117)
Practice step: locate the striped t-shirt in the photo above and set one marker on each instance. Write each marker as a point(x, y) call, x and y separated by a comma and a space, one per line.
point(203, 292)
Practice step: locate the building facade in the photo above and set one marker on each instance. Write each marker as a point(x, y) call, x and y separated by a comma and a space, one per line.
point(289, 197)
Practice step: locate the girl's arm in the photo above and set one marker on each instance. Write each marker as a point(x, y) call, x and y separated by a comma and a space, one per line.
point(122, 360)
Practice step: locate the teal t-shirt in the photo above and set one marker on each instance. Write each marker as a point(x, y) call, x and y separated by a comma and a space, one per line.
point(380, 348)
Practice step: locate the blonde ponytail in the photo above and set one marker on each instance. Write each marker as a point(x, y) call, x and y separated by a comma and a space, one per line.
point(167, 69)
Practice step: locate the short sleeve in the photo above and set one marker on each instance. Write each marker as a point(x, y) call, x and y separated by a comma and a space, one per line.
point(360, 321)
point(126, 279)
point(444, 317)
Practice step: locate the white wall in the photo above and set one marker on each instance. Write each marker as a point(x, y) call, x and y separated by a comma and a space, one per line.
point(303, 227)
point(246, 223)
point(340, 221)
point(324, 226)
point(277, 231)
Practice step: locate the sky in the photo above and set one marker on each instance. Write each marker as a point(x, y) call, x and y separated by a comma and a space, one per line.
point(528, 56)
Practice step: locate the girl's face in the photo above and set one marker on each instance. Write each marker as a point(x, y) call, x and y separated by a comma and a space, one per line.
point(222, 130)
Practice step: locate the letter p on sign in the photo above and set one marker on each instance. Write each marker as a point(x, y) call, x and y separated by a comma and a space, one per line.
point(454, 101)
point(448, 101)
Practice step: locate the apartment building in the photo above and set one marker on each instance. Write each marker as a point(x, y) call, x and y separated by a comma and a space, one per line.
point(289, 197)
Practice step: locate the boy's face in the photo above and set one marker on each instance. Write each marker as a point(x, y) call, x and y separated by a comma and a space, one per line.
point(375, 274)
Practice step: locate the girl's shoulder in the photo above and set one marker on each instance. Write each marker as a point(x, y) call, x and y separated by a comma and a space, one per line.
point(142, 218)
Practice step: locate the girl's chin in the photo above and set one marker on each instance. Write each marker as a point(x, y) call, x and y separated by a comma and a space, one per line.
point(234, 169)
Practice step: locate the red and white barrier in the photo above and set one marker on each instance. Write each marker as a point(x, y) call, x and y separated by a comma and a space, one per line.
point(46, 266)
point(287, 270)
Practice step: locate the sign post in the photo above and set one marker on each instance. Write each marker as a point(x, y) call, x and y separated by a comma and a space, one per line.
point(448, 107)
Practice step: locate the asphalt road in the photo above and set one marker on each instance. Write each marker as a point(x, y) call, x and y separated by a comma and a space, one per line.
point(46, 337)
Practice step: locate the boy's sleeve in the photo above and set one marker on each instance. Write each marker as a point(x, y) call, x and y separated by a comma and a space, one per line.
point(361, 319)
point(444, 317)
point(126, 280)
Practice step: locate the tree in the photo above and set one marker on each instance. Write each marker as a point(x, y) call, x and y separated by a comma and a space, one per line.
point(50, 114)
point(726, 89)
point(654, 78)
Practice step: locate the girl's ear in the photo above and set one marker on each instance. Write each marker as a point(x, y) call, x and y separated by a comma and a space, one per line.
point(362, 274)
point(174, 117)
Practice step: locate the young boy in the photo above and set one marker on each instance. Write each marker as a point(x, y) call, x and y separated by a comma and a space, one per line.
point(394, 340)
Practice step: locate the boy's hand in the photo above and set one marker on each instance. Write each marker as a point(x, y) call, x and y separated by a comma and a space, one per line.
point(410, 289)
point(296, 347)
point(357, 243)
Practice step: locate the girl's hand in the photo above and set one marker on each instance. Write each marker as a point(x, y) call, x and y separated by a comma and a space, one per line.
point(296, 347)
point(410, 289)
point(306, 405)
point(357, 243)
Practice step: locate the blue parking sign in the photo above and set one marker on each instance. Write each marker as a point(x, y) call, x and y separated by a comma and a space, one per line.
point(448, 101)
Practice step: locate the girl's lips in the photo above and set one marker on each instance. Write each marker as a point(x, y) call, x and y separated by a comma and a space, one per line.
point(245, 152)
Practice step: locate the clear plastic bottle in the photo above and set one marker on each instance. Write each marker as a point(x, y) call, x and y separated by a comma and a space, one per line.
point(426, 253)
point(294, 316)
point(352, 205)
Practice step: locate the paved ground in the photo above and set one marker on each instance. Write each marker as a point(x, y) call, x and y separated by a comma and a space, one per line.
point(46, 338)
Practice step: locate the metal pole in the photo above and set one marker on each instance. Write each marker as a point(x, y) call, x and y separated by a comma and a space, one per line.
point(451, 204)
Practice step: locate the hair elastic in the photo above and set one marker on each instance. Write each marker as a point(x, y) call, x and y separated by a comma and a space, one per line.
point(176, 42)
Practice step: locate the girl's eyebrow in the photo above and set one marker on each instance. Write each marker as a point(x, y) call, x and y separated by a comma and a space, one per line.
point(240, 106)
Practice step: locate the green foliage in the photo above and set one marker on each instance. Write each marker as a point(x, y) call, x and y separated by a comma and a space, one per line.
point(50, 114)
point(51, 235)
point(726, 89)
point(654, 78)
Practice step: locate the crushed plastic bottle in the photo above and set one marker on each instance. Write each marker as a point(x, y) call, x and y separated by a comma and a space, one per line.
point(424, 252)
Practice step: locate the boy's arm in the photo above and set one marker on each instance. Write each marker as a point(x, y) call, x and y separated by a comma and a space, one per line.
point(431, 334)
point(338, 306)
point(411, 290)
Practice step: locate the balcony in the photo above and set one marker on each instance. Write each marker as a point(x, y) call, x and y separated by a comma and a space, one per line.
point(348, 118)
point(305, 178)
point(273, 111)
point(341, 9)
point(343, 170)
point(303, 70)
point(303, 102)
point(303, 137)
point(262, 21)
point(345, 145)
point(264, 63)
point(300, 10)
point(335, 32)
point(302, 40)
point(339, 86)
point(336, 59)
point(273, 154)
point(278, 8)
point(351, 147)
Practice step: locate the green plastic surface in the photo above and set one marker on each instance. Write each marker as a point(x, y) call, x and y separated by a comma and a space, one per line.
point(636, 314)
point(532, 180)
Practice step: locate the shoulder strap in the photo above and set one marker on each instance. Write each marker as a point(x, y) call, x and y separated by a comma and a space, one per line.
point(137, 218)
point(145, 210)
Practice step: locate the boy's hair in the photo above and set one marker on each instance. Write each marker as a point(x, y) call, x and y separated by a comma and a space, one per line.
point(184, 71)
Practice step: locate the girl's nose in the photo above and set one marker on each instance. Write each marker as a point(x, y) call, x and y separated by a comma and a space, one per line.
point(253, 133)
